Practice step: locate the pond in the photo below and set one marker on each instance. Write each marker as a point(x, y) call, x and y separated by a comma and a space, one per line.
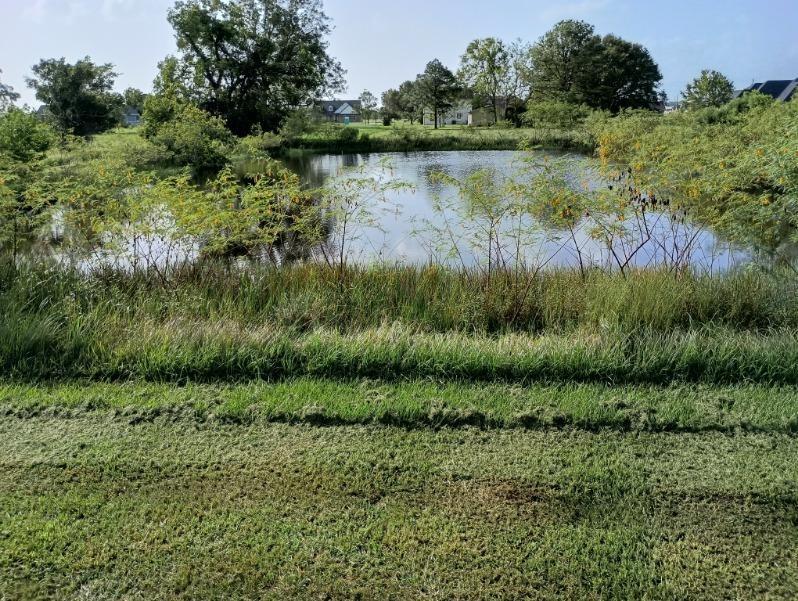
point(408, 228)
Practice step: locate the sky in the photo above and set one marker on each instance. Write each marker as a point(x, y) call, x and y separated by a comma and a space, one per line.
point(382, 43)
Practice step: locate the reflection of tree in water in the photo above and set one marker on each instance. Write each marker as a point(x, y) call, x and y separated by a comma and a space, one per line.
point(430, 174)
point(299, 232)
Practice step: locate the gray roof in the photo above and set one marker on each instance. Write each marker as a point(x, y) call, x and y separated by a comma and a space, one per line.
point(780, 89)
point(332, 107)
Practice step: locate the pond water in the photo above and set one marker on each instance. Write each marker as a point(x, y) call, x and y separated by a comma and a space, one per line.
point(408, 228)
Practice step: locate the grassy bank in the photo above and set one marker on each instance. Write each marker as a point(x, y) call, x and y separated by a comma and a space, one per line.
point(96, 507)
point(398, 323)
point(406, 138)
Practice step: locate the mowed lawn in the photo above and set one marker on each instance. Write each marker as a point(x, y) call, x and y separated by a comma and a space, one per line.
point(299, 489)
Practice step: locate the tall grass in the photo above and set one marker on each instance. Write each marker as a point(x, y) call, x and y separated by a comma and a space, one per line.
point(213, 324)
point(432, 298)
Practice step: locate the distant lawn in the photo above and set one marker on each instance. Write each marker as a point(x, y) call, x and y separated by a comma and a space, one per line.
point(402, 136)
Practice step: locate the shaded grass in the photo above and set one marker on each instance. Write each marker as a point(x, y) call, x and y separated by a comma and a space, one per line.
point(421, 404)
point(96, 507)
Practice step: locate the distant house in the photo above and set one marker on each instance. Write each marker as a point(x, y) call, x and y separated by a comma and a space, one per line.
point(131, 116)
point(484, 115)
point(780, 89)
point(457, 115)
point(340, 111)
point(671, 107)
point(465, 113)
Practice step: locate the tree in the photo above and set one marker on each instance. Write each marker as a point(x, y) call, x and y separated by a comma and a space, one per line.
point(627, 77)
point(134, 98)
point(565, 61)
point(78, 97)
point(437, 88)
point(254, 60)
point(486, 67)
point(711, 88)
point(23, 135)
point(368, 105)
point(402, 103)
point(7, 96)
point(573, 64)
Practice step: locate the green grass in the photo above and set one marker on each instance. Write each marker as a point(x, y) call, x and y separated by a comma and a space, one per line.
point(397, 324)
point(403, 137)
point(96, 507)
point(423, 404)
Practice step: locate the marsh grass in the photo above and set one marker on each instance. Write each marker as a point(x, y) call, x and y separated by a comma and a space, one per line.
point(217, 323)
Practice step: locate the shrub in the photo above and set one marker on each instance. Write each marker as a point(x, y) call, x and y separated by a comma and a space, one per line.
point(298, 123)
point(349, 134)
point(195, 138)
point(22, 135)
point(555, 114)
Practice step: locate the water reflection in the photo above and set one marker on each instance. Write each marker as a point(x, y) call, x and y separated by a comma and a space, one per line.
point(417, 232)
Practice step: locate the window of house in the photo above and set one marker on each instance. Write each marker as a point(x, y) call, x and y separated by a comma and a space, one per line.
point(459, 115)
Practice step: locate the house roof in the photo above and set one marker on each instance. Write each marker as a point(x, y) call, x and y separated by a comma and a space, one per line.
point(780, 89)
point(332, 107)
point(346, 109)
point(791, 91)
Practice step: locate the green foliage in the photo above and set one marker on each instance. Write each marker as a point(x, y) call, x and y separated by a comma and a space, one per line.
point(134, 98)
point(404, 103)
point(196, 139)
point(79, 97)
point(437, 88)
point(254, 61)
point(735, 174)
point(555, 114)
point(573, 64)
point(486, 68)
point(710, 89)
point(23, 135)
point(368, 104)
point(299, 122)
point(7, 96)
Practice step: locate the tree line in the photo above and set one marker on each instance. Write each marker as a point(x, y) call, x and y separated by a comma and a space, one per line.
point(253, 63)
point(570, 64)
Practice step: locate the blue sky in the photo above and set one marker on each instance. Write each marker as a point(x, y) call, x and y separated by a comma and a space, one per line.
point(382, 43)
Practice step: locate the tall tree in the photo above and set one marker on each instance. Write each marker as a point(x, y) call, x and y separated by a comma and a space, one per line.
point(368, 104)
point(78, 97)
point(7, 96)
point(565, 62)
point(627, 77)
point(134, 98)
point(572, 63)
point(403, 103)
point(256, 59)
point(437, 88)
point(486, 67)
point(711, 88)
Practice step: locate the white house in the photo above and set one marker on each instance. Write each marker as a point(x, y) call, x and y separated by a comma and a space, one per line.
point(457, 115)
